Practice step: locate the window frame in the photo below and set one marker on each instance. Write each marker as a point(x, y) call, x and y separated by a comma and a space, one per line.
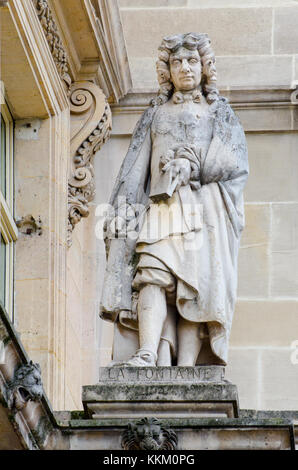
point(8, 228)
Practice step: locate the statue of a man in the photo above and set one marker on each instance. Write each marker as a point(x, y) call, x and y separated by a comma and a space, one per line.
point(175, 283)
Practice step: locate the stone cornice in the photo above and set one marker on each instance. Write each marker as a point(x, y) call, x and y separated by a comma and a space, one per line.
point(103, 58)
point(140, 100)
point(260, 110)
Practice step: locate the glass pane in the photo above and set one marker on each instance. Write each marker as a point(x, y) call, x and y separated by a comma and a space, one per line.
point(2, 269)
point(3, 158)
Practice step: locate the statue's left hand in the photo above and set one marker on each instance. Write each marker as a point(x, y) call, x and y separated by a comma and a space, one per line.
point(181, 171)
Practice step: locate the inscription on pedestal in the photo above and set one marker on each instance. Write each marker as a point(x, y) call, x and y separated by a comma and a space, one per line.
point(162, 374)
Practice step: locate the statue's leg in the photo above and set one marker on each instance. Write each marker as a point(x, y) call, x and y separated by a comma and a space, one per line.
point(152, 312)
point(164, 354)
point(189, 342)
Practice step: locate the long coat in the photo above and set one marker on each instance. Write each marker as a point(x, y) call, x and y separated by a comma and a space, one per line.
point(223, 176)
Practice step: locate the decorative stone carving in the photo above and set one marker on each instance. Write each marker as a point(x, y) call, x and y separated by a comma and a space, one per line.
point(148, 434)
point(28, 225)
point(91, 125)
point(26, 386)
point(54, 41)
point(183, 178)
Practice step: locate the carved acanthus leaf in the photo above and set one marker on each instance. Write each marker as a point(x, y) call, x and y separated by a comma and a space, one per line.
point(91, 124)
point(53, 38)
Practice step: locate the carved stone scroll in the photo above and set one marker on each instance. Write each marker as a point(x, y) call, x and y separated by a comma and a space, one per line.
point(53, 38)
point(91, 123)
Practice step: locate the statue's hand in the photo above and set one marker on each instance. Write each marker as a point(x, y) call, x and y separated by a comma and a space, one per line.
point(180, 170)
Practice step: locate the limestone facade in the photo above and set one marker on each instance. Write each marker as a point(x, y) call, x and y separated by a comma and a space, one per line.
point(57, 286)
point(257, 71)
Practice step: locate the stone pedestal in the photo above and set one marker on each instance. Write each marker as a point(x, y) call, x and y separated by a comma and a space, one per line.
point(161, 392)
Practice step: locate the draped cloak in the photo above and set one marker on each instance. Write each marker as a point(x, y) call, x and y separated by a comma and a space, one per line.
point(206, 275)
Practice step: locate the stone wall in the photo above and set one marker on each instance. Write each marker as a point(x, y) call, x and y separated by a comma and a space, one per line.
point(255, 46)
point(255, 42)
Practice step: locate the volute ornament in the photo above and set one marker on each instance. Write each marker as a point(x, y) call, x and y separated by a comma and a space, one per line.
point(91, 125)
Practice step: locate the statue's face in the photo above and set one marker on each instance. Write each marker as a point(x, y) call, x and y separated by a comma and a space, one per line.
point(185, 69)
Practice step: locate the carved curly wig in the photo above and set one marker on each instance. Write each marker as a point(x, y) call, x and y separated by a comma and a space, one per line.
point(192, 41)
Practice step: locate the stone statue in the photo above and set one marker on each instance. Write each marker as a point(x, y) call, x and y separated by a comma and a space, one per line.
point(171, 276)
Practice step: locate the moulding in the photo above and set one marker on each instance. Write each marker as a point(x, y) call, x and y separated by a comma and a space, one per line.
point(139, 100)
point(105, 62)
point(52, 91)
point(53, 39)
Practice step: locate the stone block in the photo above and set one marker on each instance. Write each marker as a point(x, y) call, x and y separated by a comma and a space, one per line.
point(75, 265)
point(279, 384)
point(143, 73)
point(151, 3)
point(73, 362)
point(253, 261)
point(32, 253)
point(284, 250)
point(264, 323)
point(257, 225)
point(32, 296)
point(32, 197)
point(285, 30)
point(296, 67)
point(28, 153)
point(225, 27)
point(275, 71)
point(265, 119)
point(107, 163)
point(243, 370)
point(237, 3)
point(74, 305)
point(123, 125)
point(273, 167)
point(162, 392)
point(253, 271)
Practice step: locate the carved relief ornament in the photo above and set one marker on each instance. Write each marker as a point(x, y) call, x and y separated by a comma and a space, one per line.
point(26, 386)
point(54, 41)
point(91, 123)
point(148, 434)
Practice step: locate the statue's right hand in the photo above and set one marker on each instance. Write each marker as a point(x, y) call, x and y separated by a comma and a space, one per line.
point(181, 170)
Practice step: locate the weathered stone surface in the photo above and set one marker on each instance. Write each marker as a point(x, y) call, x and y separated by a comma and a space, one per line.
point(244, 369)
point(161, 392)
point(162, 374)
point(285, 250)
point(276, 71)
point(152, 3)
point(274, 379)
point(263, 323)
point(253, 254)
point(227, 40)
point(273, 167)
point(247, 433)
point(285, 30)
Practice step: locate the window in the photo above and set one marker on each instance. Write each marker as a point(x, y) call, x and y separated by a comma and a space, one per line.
point(8, 229)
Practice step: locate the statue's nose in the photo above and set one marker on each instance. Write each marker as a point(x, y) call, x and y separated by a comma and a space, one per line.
point(185, 66)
